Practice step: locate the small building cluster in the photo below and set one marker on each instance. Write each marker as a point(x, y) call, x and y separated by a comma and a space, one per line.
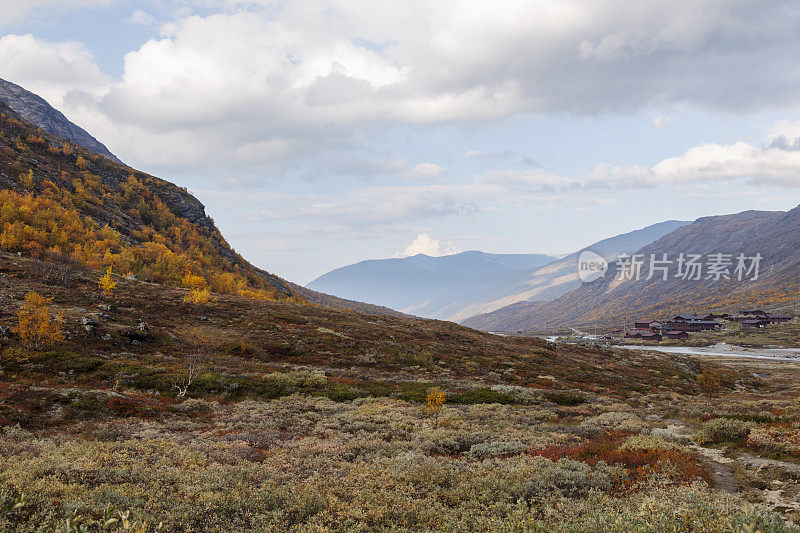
point(681, 326)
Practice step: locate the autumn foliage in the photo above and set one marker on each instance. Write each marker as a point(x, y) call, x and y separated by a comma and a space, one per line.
point(82, 208)
point(50, 226)
point(435, 402)
point(198, 296)
point(37, 329)
point(639, 464)
point(107, 283)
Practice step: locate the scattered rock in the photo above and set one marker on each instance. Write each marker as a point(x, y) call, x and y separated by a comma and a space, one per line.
point(88, 321)
point(138, 335)
point(108, 308)
point(203, 318)
point(132, 277)
point(5, 333)
point(103, 316)
point(89, 329)
point(106, 337)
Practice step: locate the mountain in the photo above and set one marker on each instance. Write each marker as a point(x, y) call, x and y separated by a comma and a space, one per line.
point(609, 300)
point(556, 278)
point(422, 285)
point(38, 112)
point(65, 203)
point(460, 286)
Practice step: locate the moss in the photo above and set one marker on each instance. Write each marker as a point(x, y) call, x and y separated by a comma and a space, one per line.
point(480, 395)
point(565, 398)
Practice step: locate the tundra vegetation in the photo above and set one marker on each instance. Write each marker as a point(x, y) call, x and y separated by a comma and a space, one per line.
point(243, 414)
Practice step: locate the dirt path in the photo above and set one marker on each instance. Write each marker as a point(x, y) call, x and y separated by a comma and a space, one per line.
point(719, 467)
point(778, 482)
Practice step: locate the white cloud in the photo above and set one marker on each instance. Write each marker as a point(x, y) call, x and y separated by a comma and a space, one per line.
point(535, 181)
point(425, 172)
point(14, 10)
point(660, 121)
point(425, 244)
point(51, 70)
point(369, 205)
point(302, 77)
point(777, 162)
point(141, 18)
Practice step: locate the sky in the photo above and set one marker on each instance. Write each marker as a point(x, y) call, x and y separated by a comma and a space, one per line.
point(319, 133)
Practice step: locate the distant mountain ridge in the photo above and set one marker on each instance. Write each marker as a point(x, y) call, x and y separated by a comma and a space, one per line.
point(559, 277)
point(411, 284)
point(38, 112)
point(608, 301)
point(459, 286)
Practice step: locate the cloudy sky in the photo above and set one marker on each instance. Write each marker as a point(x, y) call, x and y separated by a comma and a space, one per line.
point(322, 132)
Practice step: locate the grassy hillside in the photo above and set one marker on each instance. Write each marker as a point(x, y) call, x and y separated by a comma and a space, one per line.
point(304, 418)
point(134, 407)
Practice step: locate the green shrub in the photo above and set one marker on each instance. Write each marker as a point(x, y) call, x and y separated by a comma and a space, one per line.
point(565, 398)
point(480, 395)
point(496, 449)
point(720, 430)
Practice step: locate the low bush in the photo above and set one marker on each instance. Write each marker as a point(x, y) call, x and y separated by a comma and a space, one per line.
point(719, 430)
point(616, 421)
point(565, 398)
point(776, 439)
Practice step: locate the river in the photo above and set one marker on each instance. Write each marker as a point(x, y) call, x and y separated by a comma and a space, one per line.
point(725, 350)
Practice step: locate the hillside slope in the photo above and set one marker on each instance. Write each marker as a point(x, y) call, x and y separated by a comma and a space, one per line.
point(422, 285)
point(66, 203)
point(301, 417)
point(37, 111)
point(775, 235)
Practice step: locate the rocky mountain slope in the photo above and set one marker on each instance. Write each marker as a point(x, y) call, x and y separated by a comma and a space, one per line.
point(62, 202)
point(38, 112)
point(423, 285)
point(774, 235)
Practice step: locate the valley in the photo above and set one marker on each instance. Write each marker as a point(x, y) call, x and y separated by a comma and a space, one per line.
point(553, 252)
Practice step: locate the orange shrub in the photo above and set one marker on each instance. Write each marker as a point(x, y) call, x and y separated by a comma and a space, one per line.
point(193, 281)
point(435, 402)
point(37, 329)
point(198, 296)
point(639, 464)
point(107, 284)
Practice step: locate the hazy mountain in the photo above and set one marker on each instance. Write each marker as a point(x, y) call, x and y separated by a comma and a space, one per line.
point(775, 235)
point(38, 112)
point(459, 286)
point(556, 278)
point(423, 285)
